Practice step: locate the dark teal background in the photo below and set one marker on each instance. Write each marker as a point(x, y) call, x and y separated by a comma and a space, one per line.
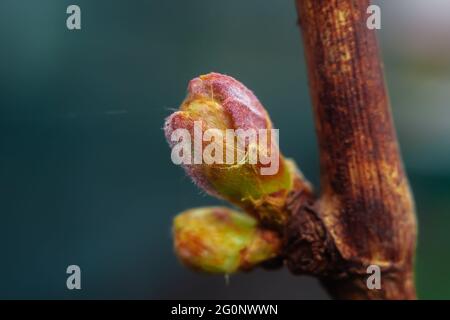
point(85, 172)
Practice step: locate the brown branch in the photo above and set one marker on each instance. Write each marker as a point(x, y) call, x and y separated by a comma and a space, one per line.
point(365, 213)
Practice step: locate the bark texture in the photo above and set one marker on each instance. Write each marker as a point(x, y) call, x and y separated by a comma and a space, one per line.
point(365, 212)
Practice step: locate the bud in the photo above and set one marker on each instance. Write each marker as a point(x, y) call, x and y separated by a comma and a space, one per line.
point(221, 240)
point(221, 111)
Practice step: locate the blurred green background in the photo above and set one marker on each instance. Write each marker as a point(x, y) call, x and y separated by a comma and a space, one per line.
point(85, 172)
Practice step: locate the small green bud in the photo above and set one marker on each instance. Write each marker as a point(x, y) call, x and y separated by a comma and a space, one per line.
point(221, 240)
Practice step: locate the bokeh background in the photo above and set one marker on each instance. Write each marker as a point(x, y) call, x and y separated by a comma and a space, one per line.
point(85, 172)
